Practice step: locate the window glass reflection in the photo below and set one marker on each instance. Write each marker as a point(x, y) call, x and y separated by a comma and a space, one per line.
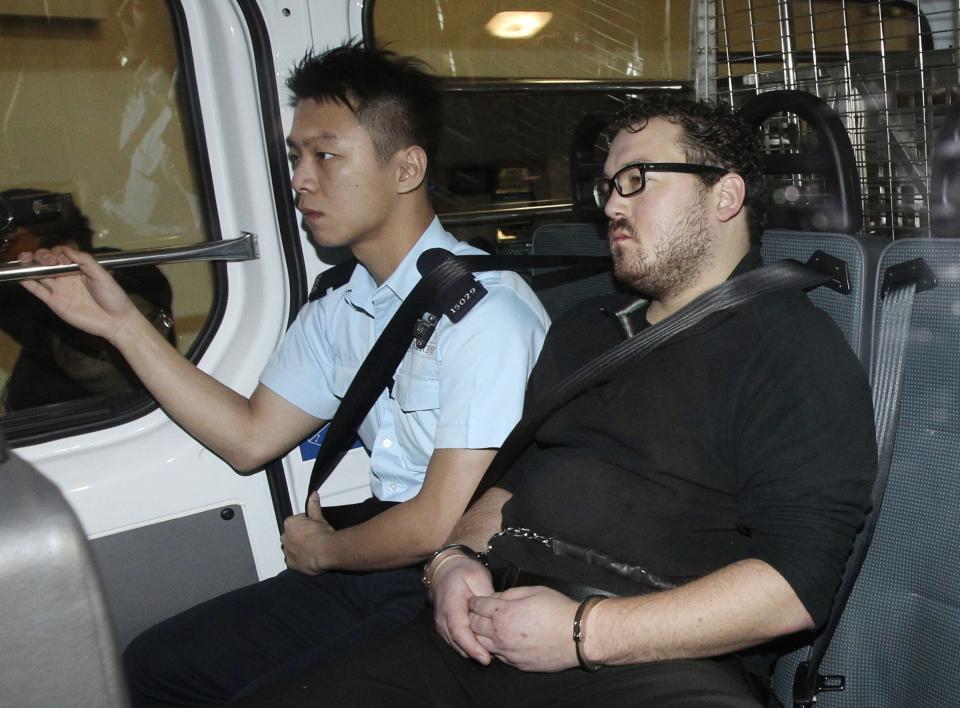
point(95, 120)
point(541, 39)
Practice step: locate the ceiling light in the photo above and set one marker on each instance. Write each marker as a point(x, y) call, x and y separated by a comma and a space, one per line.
point(517, 25)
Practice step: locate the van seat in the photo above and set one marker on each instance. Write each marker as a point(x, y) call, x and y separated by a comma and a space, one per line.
point(809, 162)
point(586, 239)
point(899, 635)
point(851, 312)
point(57, 638)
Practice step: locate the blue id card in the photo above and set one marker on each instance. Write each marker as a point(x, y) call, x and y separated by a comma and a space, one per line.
point(310, 448)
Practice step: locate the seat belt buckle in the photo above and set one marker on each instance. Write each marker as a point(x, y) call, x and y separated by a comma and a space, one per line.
point(827, 683)
point(805, 690)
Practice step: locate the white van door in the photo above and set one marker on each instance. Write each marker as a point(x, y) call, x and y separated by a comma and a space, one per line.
point(141, 124)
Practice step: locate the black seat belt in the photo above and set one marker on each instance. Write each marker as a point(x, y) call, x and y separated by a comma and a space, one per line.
point(332, 278)
point(378, 368)
point(783, 275)
point(900, 284)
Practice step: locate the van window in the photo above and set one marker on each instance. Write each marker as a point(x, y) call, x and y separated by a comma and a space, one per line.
point(517, 88)
point(99, 151)
point(546, 39)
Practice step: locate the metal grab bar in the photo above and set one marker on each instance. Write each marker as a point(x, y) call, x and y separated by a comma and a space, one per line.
point(234, 249)
point(506, 212)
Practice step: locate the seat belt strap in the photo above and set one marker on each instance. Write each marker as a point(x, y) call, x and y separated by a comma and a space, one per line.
point(783, 275)
point(332, 278)
point(896, 311)
point(377, 369)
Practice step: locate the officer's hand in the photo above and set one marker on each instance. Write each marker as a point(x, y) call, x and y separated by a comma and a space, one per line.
point(305, 537)
point(90, 300)
point(455, 583)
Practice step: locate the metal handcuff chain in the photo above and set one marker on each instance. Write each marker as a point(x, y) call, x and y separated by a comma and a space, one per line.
point(481, 557)
point(520, 532)
point(559, 547)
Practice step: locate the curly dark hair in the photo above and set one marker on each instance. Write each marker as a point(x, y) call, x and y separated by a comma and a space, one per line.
point(712, 135)
point(392, 96)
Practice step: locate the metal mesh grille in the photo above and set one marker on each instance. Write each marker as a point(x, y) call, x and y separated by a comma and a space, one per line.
point(888, 68)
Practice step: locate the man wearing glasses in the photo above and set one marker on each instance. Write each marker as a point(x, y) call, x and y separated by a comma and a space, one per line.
point(728, 471)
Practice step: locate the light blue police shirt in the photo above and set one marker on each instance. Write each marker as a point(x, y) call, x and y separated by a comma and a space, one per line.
point(464, 390)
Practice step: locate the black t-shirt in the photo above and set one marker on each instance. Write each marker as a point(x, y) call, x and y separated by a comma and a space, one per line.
point(749, 435)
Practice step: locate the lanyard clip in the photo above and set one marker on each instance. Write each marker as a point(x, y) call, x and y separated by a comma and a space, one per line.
point(423, 329)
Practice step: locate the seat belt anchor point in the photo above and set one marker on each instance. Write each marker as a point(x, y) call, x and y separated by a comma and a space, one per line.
point(915, 270)
point(835, 267)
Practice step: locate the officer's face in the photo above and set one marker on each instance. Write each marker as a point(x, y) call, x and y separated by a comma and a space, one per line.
point(344, 191)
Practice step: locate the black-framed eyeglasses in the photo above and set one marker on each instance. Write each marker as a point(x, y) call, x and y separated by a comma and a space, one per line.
point(632, 178)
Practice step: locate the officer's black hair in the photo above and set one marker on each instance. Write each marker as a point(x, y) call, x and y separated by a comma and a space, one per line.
point(392, 96)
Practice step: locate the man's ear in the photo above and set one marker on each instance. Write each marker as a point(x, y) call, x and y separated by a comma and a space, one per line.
point(731, 192)
point(412, 169)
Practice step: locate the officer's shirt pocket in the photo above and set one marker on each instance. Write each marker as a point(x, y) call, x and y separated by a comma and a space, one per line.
point(416, 392)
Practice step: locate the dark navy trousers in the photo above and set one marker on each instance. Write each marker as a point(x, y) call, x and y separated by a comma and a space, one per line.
point(414, 668)
point(248, 639)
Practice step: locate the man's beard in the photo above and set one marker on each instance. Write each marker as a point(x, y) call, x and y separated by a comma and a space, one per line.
point(682, 251)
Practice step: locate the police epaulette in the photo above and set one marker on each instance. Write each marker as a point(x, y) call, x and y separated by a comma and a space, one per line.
point(331, 279)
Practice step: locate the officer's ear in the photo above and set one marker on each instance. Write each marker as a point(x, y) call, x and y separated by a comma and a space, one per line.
point(730, 192)
point(411, 168)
